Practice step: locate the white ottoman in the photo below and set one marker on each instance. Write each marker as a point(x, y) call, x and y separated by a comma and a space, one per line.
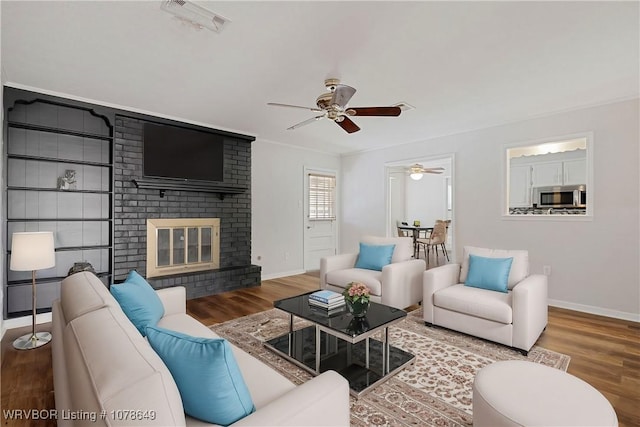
point(519, 393)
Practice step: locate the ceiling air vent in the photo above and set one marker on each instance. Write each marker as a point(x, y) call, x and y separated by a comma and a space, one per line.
point(195, 15)
point(404, 106)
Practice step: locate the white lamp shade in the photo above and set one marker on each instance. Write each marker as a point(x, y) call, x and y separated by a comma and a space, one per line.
point(416, 176)
point(32, 251)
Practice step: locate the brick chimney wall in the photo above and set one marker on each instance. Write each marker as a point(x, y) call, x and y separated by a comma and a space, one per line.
point(132, 207)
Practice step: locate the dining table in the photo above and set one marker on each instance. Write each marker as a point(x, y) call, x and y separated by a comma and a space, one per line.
point(416, 234)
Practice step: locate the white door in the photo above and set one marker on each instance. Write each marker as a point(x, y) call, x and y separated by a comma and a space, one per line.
point(320, 234)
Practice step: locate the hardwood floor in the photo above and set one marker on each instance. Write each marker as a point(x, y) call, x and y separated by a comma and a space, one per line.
point(26, 379)
point(231, 305)
point(604, 352)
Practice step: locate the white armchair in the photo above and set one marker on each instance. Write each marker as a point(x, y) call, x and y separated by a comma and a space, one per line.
point(516, 318)
point(399, 284)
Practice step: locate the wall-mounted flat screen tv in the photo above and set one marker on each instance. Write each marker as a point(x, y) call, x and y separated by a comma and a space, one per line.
point(180, 153)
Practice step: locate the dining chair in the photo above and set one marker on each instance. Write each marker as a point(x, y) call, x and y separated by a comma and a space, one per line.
point(438, 237)
point(403, 233)
point(422, 241)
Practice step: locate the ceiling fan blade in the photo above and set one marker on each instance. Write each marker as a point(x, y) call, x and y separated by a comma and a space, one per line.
point(342, 95)
point(418, 168)
point(424, 171)
point(306, 122)
point(374, 111)
point(347, 124)
point(275, 104)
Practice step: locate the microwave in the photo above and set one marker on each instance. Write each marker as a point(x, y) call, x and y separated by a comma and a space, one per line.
point(564, 196)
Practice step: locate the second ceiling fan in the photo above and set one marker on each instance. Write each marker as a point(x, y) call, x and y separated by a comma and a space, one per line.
point(333, 106)
point(416, 171)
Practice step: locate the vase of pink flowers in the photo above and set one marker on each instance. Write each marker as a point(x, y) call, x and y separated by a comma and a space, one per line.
point(357, 297)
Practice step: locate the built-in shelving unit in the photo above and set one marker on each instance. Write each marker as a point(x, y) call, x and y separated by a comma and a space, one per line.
point(59, 178)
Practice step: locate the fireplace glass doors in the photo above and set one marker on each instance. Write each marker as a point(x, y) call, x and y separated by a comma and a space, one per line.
point(182, 245)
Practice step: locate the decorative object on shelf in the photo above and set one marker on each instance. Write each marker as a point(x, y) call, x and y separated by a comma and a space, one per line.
point(81, 266)
point(357, 296)
point(30, 252)
point(416, 223)
point(68, 180)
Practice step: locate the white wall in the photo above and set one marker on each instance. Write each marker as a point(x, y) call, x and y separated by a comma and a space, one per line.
point(277, 189)
point(594, 264)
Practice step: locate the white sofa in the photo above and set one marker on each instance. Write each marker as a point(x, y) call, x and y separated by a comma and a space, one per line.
point(103, 365)
point(516, 318)
point(399, 284)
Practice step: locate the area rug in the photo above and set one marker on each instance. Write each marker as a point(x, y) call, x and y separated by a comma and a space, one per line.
point(435, 390)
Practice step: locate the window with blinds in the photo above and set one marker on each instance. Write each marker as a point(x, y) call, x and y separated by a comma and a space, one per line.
point(322, 196)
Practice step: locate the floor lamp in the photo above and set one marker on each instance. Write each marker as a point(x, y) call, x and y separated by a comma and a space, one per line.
point(31, 252)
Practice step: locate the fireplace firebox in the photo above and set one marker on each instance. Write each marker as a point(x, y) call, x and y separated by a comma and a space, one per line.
point(182, 245)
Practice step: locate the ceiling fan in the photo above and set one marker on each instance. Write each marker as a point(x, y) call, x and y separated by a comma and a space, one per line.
point(416, 171)
point(333, 106)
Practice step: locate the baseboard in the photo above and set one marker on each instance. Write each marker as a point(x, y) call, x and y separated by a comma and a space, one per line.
point(634, 317)
point(282, 274)
point(19, 322)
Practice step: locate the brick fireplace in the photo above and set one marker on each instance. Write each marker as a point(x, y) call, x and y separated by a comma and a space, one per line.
point(133, 206)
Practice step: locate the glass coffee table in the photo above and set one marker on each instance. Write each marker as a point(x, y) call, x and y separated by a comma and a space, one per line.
point(340, 342)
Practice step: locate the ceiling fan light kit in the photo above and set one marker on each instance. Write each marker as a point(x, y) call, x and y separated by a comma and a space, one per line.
point(416, 171)
point(333, 105)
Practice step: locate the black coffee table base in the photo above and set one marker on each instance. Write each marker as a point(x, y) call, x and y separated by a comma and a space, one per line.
point(336, 354)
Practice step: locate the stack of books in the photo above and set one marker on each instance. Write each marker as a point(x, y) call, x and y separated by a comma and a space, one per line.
point(328, 300)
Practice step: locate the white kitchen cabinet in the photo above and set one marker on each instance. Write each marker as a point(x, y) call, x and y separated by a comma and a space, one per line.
point(575, 172)
point(545, 170)
point(546, 174)
point(520, 186)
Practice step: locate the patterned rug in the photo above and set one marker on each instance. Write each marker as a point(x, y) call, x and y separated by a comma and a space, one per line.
point(435, 390)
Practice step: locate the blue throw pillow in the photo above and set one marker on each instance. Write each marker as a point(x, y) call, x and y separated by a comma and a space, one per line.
point(489, 273)
point(206, 373)
point(139, 301)
point(374, 257)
